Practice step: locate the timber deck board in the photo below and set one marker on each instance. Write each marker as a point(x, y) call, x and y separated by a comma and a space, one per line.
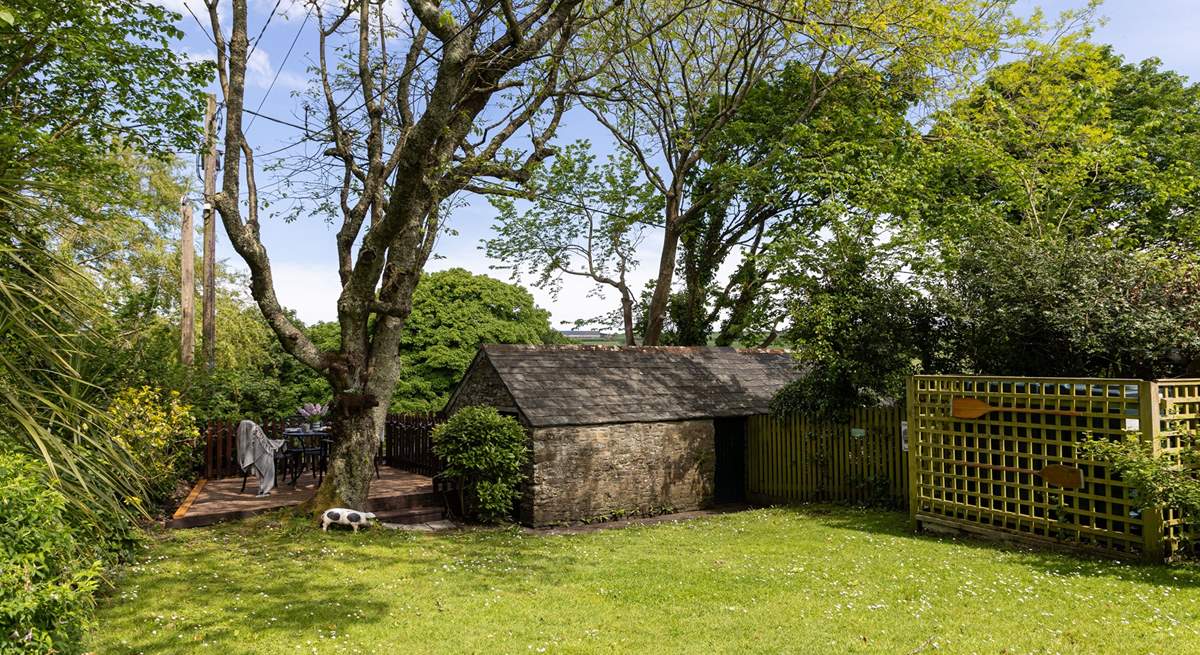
point(213, 501)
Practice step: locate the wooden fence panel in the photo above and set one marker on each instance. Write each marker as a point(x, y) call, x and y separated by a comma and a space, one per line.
point(220, 446)
point(1178, 415)
point(985, 475)
point(799, 459)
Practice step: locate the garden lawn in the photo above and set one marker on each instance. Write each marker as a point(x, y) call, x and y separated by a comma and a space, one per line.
point(805, 580)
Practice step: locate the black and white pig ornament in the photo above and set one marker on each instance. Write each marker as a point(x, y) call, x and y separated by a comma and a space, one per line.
point(342, 516)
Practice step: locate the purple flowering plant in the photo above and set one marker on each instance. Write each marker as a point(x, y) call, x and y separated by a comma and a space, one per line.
point(314, 410)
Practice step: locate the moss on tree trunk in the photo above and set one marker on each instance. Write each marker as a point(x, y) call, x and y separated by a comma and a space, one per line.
point(351, 463)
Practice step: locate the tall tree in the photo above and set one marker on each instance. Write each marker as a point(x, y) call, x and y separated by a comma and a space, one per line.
point(81, 81)
point(429, 110)
point(1048, 228)
point(666, 100)
point(1085, 168)
point(854, 320)
point(585, 221)
point(770, 171)
point(692, 60)
point(1072, 141)
point(455, 312)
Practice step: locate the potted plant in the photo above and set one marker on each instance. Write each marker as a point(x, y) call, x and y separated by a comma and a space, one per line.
point(313, 413)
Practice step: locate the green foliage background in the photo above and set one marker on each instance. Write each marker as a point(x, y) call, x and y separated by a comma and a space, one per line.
point(454, 312)
point(46, 576)
point(1046, 225)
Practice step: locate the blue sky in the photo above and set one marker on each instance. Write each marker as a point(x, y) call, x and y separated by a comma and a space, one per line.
point(302, 252)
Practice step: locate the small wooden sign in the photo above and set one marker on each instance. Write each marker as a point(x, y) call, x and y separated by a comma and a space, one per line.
point(1066, 477)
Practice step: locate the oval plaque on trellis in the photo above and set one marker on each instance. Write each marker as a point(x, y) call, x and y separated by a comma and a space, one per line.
point(1067, 477)
point(1000, 456)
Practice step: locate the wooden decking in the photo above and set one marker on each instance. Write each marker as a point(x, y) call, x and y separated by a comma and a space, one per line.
point(396, 495)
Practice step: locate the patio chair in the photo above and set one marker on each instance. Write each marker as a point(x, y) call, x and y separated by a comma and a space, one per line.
point(255, 450)
point(282, 461)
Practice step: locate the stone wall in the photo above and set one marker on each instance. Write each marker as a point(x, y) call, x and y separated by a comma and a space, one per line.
point(588, 472)
point(482, 386)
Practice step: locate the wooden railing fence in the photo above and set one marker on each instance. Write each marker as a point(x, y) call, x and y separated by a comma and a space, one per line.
point(407, 444)
point(220, 446)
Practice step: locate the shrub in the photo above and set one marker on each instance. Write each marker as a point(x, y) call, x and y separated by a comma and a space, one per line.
point(1093, 308)
point(1163, 480)
point(485, 453)
point(45, 585)
point(158, 431)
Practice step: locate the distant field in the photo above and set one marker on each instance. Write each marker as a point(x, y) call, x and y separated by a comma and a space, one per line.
point(614, 341)
point(807, 580)
point(620, 341)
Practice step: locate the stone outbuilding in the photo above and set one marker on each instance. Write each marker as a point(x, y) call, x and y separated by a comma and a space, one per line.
point(626, 430)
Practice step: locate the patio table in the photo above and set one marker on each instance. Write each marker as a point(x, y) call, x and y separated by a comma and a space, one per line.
point(308, 448)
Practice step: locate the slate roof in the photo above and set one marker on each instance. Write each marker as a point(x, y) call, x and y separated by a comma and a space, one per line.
point(589, 385)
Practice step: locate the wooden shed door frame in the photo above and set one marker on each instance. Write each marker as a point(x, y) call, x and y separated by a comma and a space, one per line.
point(729, 479)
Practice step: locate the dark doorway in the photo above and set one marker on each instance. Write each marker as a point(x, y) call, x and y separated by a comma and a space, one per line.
point(730, 480)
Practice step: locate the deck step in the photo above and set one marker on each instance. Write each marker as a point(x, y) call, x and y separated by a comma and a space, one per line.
point(409, 500)
point(411, 515)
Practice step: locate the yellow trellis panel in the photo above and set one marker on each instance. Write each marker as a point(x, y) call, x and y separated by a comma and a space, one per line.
point(1178, 409)
point(984, 475)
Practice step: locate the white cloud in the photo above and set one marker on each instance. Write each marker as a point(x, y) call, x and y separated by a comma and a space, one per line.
point(287, 10)
point(206, 55)
point(311, 289)
point(290, 80)
point(260, 73)
point(259, 68)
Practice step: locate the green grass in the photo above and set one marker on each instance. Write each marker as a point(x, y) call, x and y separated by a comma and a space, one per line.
point(807, 580)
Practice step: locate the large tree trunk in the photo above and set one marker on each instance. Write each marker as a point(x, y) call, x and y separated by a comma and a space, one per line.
point(735, 325)
point(351, 464)
point(666, 273)
point(361, 422)
point(627, 316)
point(691, 323)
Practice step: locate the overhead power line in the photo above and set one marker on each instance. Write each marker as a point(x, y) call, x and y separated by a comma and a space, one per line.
point(203, 29)
point(279, 69)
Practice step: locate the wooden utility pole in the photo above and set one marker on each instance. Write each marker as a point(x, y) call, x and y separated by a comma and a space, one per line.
point(187, 285)
point(209, 304)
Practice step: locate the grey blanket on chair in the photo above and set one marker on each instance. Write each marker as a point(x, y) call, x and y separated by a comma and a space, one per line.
point(255, 449)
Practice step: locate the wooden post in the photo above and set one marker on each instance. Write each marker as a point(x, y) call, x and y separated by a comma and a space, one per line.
point(1148, 423)
point(209, 307)
point(914, 464)
point(187, 285)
